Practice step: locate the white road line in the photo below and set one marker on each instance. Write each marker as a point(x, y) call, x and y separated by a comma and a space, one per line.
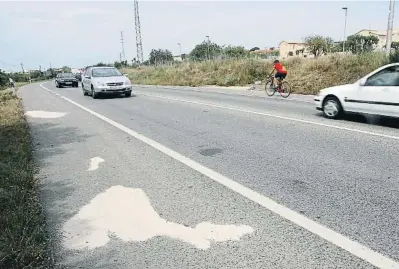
point(231, 93)
point(274, 116)
point(327, 234)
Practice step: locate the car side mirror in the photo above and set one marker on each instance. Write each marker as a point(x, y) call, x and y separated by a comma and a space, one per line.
point(87, 76)
point(362, 81)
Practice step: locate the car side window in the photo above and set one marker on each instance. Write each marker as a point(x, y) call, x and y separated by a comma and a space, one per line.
point(87, 73)
point(385, 78)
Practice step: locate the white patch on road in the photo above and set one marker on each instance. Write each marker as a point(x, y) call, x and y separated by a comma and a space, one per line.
point(128, 214)
point(353, 247)
point(45, 114)
point(95, 163)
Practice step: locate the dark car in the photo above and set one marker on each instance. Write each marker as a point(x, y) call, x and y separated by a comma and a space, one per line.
point(66, 79)
point(78, 76)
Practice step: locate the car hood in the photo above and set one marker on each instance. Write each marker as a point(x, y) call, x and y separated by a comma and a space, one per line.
point(111, 79)
point(335, 89)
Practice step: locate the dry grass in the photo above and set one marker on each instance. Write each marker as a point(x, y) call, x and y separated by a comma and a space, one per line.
point(23, 239)
point(306, 76)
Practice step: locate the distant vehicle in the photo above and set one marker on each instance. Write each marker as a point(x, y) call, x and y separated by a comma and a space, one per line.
point(375, 94)
point(105, 80)
point(66, 79)
point(78, 76)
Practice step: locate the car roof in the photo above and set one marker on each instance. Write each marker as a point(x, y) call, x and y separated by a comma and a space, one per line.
point(102, 67)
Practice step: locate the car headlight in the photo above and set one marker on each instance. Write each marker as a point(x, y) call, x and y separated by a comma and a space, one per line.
point(128, 83)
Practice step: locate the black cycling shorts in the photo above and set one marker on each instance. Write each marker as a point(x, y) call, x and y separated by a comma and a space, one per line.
point(280, 75)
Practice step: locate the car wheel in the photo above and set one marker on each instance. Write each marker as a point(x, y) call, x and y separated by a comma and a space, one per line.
point(84, 91)
point(93, 93)
point(56, 85)
point(332, 108)
point(128, 94)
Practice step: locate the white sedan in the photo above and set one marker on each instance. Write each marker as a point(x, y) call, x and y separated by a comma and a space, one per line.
point(375, 94)
point(105, 80)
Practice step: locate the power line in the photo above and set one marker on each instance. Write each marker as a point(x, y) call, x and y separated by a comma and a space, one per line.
point(139, 44)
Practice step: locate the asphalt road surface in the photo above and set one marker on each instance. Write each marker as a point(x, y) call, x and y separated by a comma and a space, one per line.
point(188, 178)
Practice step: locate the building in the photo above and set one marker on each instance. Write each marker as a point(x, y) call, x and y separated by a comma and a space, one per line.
point(382, 36)
point(292, 48)
point(267, 53)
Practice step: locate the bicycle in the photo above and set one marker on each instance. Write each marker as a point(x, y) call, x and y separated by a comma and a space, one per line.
point(283, 87)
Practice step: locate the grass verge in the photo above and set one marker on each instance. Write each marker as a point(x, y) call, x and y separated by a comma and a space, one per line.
point(306, 76)
point(23, 237)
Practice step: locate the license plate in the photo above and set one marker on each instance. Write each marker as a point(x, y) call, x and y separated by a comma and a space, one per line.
point(68, 82)
point(114, 87)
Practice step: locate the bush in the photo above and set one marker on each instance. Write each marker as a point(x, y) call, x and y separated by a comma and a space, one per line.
point(394, 57)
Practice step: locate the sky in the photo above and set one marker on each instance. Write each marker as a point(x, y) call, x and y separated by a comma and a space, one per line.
point(81, 33)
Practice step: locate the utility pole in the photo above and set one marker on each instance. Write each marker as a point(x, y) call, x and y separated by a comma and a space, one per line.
point(346, 15)
point(120, 57)
point(22, 66)
point(208, 41)
point(40, 68)
point(390, 26)
point(179, 48)
point(139, 43)
point(123, 56)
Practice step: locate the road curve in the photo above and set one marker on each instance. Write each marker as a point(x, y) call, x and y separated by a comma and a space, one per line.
point(334, 182)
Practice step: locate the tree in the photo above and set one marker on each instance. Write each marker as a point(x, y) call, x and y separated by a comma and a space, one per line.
point(66, 69)
point(337, 46)
point(101, 64)
point(117, 64)
point(254, 49)
point(360, 44)
point(318, 45)
point(234, 52)
point(205, 51)
point(160, 56)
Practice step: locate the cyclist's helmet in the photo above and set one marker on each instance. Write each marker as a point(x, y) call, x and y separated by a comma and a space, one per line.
point(276, 61)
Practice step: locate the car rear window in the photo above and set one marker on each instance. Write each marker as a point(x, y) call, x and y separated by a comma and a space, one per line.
point(66, 75)
point(106, 72)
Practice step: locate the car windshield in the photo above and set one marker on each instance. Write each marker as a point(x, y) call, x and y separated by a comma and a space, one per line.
point(66, 75)
point(106, 72)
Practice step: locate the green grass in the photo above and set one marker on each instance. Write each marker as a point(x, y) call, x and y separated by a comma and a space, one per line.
point(23, 238)
point(306, 76)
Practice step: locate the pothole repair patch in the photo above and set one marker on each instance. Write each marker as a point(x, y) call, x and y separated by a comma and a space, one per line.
point(45, 114)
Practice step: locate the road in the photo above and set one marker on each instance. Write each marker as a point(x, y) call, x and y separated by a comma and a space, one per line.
point(186, 178)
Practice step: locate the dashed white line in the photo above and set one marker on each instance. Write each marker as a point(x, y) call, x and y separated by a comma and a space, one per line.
point(327, 234)
point(273, 116)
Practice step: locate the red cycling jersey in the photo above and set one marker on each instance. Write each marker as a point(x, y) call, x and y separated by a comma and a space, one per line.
point(280, 68)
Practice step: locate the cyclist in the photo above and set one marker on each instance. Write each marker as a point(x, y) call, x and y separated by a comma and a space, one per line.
point(281, 72)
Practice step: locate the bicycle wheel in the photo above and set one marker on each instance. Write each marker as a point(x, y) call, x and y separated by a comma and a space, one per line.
point(285, 90)
point(269, 89)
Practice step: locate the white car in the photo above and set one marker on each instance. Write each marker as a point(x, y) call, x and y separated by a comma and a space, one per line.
point(375, 94)
point(105, 80)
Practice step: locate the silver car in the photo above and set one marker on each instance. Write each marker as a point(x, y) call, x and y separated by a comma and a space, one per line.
point(105, 80)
